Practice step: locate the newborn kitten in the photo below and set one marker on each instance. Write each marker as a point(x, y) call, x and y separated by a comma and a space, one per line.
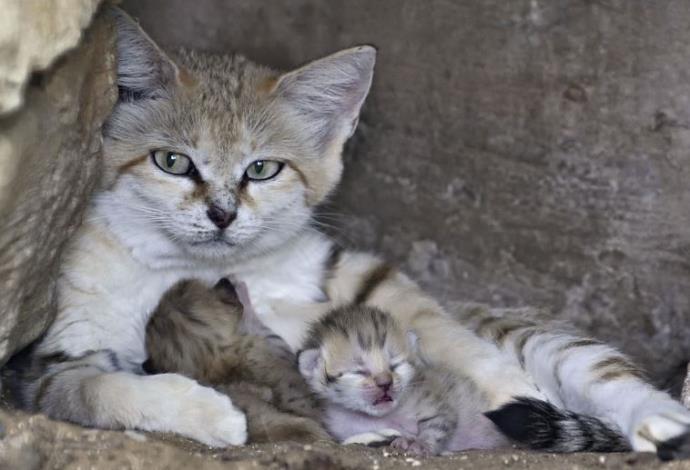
point(376, 385)
point(364, 365)
point(212, 335)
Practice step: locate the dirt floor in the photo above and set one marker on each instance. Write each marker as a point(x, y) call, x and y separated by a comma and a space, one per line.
point(34, 442)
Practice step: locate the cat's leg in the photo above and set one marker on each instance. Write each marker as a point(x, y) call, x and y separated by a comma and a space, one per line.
point(94, 390)
point(593, 378)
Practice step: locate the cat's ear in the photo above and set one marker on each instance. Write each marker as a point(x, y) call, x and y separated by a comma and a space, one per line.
point(308, 361)
point(329, 92)
point(143, 69)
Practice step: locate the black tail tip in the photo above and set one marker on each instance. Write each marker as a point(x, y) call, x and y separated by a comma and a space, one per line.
point(674, 449)
point(518, 419)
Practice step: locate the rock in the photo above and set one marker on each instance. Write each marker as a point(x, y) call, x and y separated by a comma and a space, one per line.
point(542, 146)
point(50, 157)
point(33, 33)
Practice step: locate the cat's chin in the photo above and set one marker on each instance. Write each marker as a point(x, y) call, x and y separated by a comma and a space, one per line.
point(212, 249)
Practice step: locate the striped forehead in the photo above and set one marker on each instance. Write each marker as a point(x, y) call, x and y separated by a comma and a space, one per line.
point(221, 149)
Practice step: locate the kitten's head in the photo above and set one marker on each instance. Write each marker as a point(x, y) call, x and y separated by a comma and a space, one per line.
point(359, 358)
point(221, 156)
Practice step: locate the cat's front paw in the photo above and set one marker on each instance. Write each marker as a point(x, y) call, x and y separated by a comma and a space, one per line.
point(666, 433)
point(202, 413)
point(411, 446)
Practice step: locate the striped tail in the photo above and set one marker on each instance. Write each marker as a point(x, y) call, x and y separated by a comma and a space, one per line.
point(542, 426)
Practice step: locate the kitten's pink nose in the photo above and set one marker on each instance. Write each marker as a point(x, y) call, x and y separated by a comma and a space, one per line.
point(220, 217)
point(384, 381)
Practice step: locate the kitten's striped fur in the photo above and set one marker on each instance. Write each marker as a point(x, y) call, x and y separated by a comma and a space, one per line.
point(146, 230)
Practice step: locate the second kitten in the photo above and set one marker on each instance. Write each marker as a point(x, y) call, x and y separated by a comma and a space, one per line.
point(210, 336)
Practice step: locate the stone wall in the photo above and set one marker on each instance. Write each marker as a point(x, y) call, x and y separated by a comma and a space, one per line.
point(49, 151)
point(512, 152)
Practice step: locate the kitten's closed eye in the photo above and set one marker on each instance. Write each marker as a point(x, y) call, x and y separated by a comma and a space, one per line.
point(332, 378)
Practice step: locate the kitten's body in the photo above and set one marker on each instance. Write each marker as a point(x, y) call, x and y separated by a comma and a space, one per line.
point(154, 223)
point(347, 352)
point(208, 335)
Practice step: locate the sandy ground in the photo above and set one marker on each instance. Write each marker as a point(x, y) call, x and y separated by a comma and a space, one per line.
point(34, 442)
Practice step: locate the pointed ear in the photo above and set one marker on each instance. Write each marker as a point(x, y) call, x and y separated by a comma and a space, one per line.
point(328, 93)
point(308, 361)
point(143, 69)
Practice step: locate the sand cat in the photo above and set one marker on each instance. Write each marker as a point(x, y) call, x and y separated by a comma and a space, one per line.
point(212, 167)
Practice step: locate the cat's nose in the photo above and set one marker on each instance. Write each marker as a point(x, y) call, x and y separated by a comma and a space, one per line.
point(220, 217)
point(383, 380)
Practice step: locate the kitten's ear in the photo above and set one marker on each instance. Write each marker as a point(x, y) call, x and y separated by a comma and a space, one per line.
point(413, 341)
point(308, 361)
point(417, 356)
point(143, 69)
point(329, 92)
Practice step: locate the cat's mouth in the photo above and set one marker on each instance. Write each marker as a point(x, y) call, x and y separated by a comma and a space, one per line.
point(218, 238)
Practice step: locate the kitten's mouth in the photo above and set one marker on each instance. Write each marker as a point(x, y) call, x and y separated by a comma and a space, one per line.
point(383, 399)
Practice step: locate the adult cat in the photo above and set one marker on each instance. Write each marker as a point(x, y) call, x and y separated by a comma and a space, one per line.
point(213, 166)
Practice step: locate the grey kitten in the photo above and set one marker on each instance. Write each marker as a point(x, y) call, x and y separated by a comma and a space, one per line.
point(209, 335)
point(376, 385)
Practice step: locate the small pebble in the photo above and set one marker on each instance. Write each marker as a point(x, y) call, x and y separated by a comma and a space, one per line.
point(602, 459)
point(307, 447)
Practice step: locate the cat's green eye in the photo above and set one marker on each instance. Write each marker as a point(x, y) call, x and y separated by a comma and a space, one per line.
point(172, 162)
point(263, 170)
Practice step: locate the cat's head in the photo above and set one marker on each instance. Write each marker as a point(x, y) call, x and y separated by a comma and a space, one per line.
point(359, 358)
point(221, 156)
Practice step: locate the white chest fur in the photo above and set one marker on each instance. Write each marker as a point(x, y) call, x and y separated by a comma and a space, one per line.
point(286, 287)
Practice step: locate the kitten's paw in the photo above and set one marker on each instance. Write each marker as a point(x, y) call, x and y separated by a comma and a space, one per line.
point(202, 413)
point(379, 438)
point(666, 433)
point(411, 446)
